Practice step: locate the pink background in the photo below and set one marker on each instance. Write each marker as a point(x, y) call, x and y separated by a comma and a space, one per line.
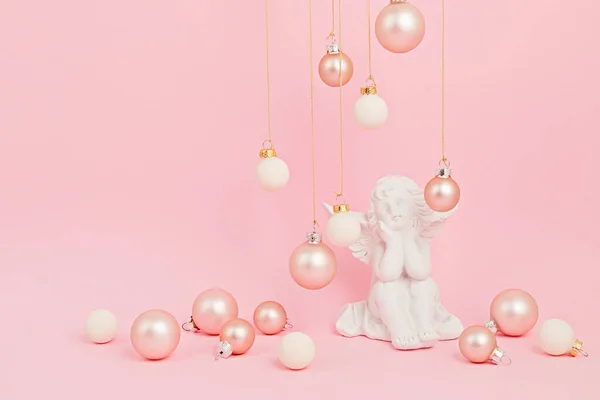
point(129, 131)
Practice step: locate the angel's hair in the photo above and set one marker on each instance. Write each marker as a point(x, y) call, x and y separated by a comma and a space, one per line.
point(390, 184)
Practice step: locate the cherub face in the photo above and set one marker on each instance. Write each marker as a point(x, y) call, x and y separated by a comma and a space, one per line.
point(395, 211)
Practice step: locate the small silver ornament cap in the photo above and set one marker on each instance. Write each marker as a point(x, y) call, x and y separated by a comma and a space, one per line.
point(224, 350)
point(499, 357)
point(333, 48)
point(491, 325)
point(443, 172)
point(314, 237)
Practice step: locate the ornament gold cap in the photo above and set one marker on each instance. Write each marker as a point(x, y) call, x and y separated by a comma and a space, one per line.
point(314, 237)
point(578, 349)
point(333, 48)
point(340, 208)
point(499, 356)
point(371, 89)
point(267, 153)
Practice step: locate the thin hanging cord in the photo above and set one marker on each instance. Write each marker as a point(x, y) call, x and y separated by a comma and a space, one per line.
point(444, 159)
point(341, 192)
point(312, 116)
point(268, 71)
point(369, 37)
point(332, 33)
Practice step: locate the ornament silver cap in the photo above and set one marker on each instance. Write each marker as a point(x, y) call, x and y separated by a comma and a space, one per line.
point(314, 237)
point(224, 350)
point(491, 325)
point(333, 48)
point(499, 357)
point(443, 172)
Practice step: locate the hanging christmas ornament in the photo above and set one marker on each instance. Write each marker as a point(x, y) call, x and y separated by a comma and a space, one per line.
point(272, 173)
point(101, 326)
point(296, 350)
point(343, 227)
point(514, 312)
point(370, 110)
point(442, 192)
point(211, 310)
point(400, 26)
point(478, 345)
point(335, 68)
point(155, 334)
point(270, 318)
point(237, 337)
point(312, 264)
point(557, 337)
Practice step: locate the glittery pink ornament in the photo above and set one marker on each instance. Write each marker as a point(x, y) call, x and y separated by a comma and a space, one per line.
point(211, 310)
point(514, 312)
point(312, 264)
point(400, 27)
point(155, 334)
point(270, 317)
point(237, 337)
point(442, 192)
point(478, 345)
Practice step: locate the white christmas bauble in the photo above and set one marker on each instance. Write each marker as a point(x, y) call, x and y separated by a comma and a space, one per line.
point(343, 229)
point(101, 326)
point(370, 111)
point(556, 337)
point(296, 350)
point(272, 173)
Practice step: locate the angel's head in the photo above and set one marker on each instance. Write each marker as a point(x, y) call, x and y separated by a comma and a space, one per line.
point(398, 202)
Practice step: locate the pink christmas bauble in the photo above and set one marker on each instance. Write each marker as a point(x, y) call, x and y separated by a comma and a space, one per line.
point(212, 309)
point(400, 27)
point(329, 69)
point(155, 334)
point(442, 193)
point(477, 343)
point(313, 265)
point(239, 334)
point(270, 317)
point(514, 312)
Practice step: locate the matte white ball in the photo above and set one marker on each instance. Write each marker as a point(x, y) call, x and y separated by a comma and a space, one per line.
point(370, 111)
point(556, 337)
point(296, 350)
point(101, 326)
point(343, 229)
point(272, 173)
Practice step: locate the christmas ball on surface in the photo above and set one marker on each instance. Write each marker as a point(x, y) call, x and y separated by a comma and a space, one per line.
point(212, 309)
point(514, 312)
point(270, 317)
point(239, 334)
point(296, 350)
point(556, 337)
point(155, 334)
point(101, 326)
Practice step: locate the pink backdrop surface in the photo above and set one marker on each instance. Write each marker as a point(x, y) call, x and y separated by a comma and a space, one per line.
point(129, 131)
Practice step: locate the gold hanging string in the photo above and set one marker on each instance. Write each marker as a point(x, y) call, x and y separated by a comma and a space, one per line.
point(268, 71)
point(369, 38)
point(312, 116)
point(332, 33)
point(444, 159)
point(341, 192)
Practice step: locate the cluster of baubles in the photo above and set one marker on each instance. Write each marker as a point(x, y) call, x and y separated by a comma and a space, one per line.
point(514, 312)
point(155, 334)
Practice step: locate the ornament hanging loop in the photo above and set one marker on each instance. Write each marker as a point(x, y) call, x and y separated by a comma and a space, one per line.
point(371, 81)
point(287, 325)
point(578, 349)
point(338, 196)
point(270, 142)
point(189, 326)
point(444, 163)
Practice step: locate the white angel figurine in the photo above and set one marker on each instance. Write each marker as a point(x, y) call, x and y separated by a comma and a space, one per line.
point(403, 306)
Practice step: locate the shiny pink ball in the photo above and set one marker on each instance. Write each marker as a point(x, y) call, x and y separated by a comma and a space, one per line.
point(313, 265)
point(514, 311)
point(212, 309)
point(442, 194)
point(155, 334)
point(477, 343)
point(329, 69)
point(239, 334)
point(400, 27)
point(270, 317)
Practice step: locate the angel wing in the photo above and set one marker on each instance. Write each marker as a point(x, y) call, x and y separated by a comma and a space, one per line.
point(363, 248)
point(431, 223)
